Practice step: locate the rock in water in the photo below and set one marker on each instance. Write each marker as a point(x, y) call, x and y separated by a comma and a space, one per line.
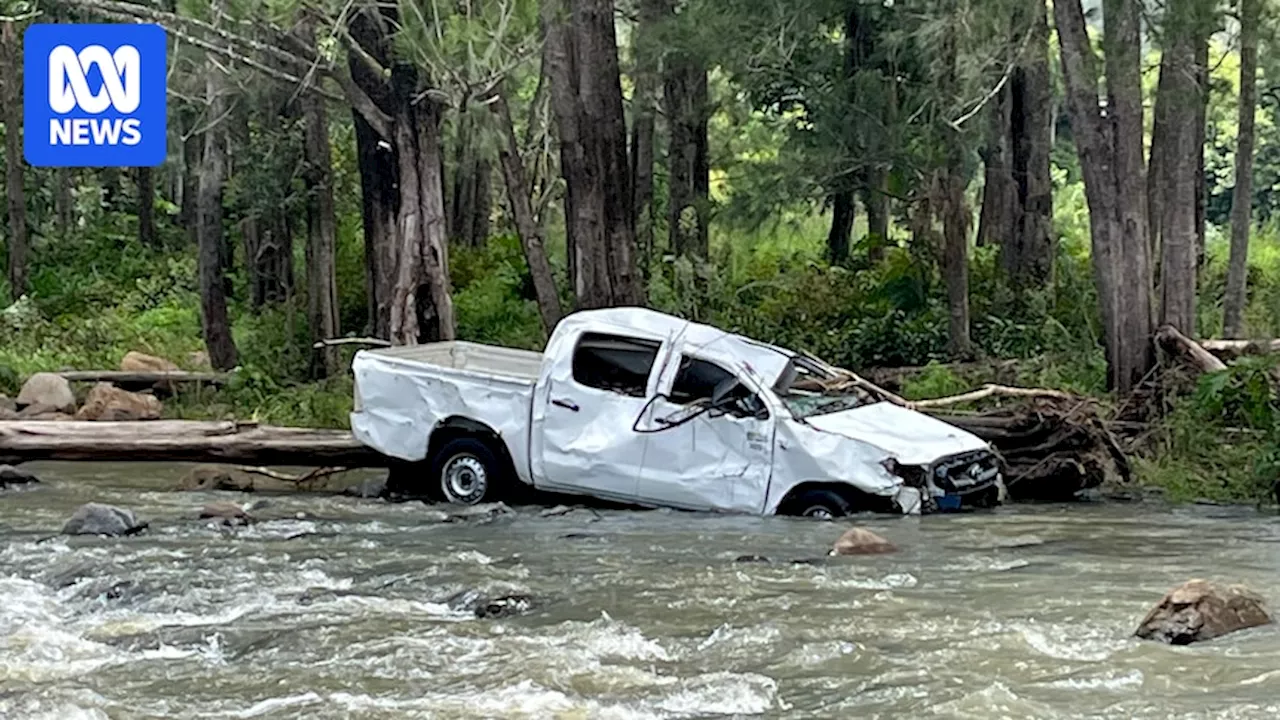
point(98, 519)
point(1200, 610)
point(860, 541)
point(48, 390)
point(135, 361)
point(108, 402)
point(10, 475)
point(229, 514)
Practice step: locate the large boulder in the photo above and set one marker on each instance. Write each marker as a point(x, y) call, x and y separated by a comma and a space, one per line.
point(48, 390)
point(98, 519)
point(860, 541)
point(135, 361)
point(1200, 610)
point(108, 402)
point(7, 403)
point(10, 475)
point(42, 412)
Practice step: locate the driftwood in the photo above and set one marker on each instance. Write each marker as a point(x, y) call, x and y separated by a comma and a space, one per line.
point(372, 341)
point(1234, 348)
point(307, 477)
point(182, 440)
point(1051, 452)
point(1175, 342)
point(991, 390)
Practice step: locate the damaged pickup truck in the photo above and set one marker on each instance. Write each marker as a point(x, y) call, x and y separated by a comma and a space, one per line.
point(634, 406)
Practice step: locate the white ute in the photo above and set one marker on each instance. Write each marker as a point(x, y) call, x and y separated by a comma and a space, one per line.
point(634, 406)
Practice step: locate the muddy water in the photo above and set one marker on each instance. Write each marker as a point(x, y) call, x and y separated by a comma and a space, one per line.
point(1023, 613)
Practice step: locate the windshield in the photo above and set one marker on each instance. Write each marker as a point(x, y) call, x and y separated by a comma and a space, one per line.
point(807, 388)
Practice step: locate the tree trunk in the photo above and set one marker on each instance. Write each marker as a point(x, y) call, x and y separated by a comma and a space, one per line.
point(955, 260)
point(842, 217)
point(528, 226)
point(1202, 120)
point(14, 162)
point(209, 232)
point(469, 210)
point(1110, 151)
point(645, 109)
point(192, 144)
point(1242, 194)
point(1030, 260)
point(322, 287)
point(109, 177)
point(685, 97)
point(586, 96)
point(1180, 98)
point(875, 198)
point(996, 219)
point(144, 178)
point(63, 205)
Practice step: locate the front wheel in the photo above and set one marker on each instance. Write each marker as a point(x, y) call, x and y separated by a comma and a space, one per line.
point(819, 505)
point(465, 471)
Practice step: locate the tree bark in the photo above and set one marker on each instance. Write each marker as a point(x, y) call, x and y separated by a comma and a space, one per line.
point(405, 224)
point(645, 109)
point(996, 218)
point(1110, 152)
point(875, 198)
point(209, 232)
point(469, 210)
point(842, 217)
point(1180, 98)
point(322, 287)
point(63, 205)
point(14, 163)
point(144, 179)
point(192, 144)
point(685, 97)
point(955, 217)
point(587, 102)
point(1030, 261)
point(528, 225)
point(1242, 194)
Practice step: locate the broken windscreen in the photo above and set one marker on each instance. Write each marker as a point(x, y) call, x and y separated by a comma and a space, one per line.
point(807, 389)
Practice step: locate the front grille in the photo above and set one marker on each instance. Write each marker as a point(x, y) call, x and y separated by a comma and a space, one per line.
point(966, 472)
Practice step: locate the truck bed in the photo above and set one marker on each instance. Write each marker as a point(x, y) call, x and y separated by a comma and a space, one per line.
point(469, 357)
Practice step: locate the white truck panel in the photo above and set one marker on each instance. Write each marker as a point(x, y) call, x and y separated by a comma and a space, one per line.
point(404, 393)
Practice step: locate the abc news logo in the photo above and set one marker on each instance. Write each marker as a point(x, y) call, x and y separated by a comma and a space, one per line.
point(69, 89)
point(95, 95)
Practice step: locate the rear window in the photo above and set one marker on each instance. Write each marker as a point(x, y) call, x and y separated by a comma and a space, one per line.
point(614, 362)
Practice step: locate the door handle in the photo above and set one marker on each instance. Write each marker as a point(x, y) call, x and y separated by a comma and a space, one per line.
point(566, 404)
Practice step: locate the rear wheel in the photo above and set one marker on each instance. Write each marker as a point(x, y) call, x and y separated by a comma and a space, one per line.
point(819, 505)
point(466, 471)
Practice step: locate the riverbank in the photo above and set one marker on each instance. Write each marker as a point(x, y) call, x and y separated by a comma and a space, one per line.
point(642, 614)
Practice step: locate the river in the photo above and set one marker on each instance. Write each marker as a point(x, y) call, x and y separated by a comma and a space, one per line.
point(339, 609)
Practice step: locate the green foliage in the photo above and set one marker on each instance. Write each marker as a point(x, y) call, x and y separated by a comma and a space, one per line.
point(1221, 442)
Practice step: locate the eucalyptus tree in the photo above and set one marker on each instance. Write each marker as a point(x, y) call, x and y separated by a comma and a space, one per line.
point(1242, 195)
point(13, 15)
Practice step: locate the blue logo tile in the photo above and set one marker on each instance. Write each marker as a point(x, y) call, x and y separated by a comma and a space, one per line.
point(94, 95)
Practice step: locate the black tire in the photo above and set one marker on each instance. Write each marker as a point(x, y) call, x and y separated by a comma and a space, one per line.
point(819, 504)
point(466, 471)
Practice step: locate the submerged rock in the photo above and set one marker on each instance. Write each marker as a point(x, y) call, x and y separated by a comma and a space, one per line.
point(10, 475)
point(751, 559)
point(490, 608)
point(99, 519)
point(49, 390)
point(229, 514)
point(108, 402)
point(216, 477)
point(1200, 610)
point(482, 513)
point(860, 541)
point(368, 489)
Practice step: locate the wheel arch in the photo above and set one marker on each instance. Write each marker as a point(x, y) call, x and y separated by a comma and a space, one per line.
point(458, 426)
point(859, 500)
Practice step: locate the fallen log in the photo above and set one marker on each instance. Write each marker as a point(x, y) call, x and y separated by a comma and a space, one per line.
point(1235, 348)
point(1178, 344)
point(183, 441)
point(137, 379)
point(992, 390)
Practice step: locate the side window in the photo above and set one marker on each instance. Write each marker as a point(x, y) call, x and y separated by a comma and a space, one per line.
point(614, 362)
point(697, 379)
